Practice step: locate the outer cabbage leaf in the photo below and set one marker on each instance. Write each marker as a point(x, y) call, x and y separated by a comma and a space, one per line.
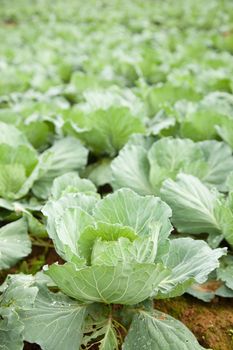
point(219, 163)
point(106, 131)
point(72, 206)
point(144, 168)
point(229, 182)
point(54, 321)
point(39, 132)
point(162, 95)
point(71, 183)
point(225, 131)
point(14, 243)
point(12, 178)
point(19, 291)
point(193, 205)
point(169, 156)
point(70, 225)
point(113, 97)
point(99, 172)
point(222, 102)
point(196, 209)
point(81, 82)
point(157, 330)
point(225, 271)
point(131, 169)
point(100, 330)
point(17, 170)
point(24, 204)
point(224, 215)
point(212, 116)
point(205, 292)
point(65, 155)
point(11, 329)
point(16, 292)
point(188, 259)
point(121, 284)
point(22, 154)
point(11, 136)
point(109, 341)
point(161, 123)
point(201, 124)
point(210, 161)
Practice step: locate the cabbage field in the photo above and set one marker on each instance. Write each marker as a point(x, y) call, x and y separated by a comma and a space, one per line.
point(116, 175)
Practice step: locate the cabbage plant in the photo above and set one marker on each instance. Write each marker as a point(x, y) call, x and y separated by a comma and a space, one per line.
point(26, 178)
point(143, 164)
point(198, 209)
point(23, 169)
point(18, 161)
point(211, 118)
point(207, 119)
point(118, 258)
point(106, 120)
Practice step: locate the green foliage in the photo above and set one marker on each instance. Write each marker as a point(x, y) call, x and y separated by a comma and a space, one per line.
point(136, 95)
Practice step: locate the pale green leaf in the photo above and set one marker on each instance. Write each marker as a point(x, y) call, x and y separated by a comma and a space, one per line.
point(17, 166)
point(225, 271)
point(218, 157)
point(70, 225)
point(71, 183)
point(192, 203)
point(224, 215)
point(167, 94)
point(157, 330)
point(121, 284)
point(19, 291)
point(54, 321)
point(11, 136)
point(229, 182)
point(210, 117)
point(226, 131)
point(23, 155)
point(11, 329)
point(131, 169)
point(12, 178)
point(14, 243)
point(109, 341)
point(53, 210)
point(129, 209)
point(189, 259)
point(106, 131)
point(99, 172)
point(168, 156)
point(67, 154)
